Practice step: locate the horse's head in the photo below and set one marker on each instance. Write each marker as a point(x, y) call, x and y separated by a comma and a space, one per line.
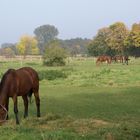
point(3, 113)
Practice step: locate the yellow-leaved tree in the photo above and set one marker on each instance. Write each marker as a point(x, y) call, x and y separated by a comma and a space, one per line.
point(27, 45)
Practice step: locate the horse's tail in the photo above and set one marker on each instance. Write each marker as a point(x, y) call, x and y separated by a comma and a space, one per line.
point(30, 97)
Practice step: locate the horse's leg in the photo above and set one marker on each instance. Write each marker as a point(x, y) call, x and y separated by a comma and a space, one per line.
point(25, 99)
point(7, 108)
point(37, 99)
point(29, 96)
point(108, 61)
point(127, 61)
point(96, 63)
point(16, 109)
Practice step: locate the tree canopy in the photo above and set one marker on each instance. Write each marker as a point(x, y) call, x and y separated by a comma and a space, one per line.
point(109, 40)
point(118, 33)
point(133, 39)
point(44, 34)
point(27, 45)
point(54, 54)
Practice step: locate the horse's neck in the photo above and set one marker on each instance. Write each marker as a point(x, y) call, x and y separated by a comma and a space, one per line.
point(3, 97)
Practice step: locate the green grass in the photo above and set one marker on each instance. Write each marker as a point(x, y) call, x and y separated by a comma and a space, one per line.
point(92, 103)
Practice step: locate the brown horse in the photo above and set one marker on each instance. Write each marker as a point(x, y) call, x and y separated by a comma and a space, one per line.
point(118, 58)
point(126, 59)
point(103, 58)
point(22, 82)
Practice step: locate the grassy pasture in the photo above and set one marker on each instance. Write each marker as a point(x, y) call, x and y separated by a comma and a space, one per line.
point(91, 103)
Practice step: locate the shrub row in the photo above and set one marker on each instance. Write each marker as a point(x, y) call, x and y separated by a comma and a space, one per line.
point(51, 74)
point(48, 74)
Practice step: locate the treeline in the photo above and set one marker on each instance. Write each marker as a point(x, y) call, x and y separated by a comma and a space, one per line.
point(112, 40)
point(73, 46)
point(44, 36)
point(116, 39)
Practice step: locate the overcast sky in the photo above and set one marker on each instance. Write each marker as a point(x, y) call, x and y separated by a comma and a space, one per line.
point(73, 18)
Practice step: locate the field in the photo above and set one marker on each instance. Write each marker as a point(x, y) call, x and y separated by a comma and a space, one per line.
point(85, 102)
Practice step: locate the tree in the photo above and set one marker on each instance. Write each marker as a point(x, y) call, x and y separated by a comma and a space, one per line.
point(109, 40)
point(118, 33)
point(7, 52)
point(27, 46)
point(98, 45)
point(44, 34)
point(11, 46)
point(6, 45)
point(76, 46)
point(132, 42)
point(54, 54)
point(133, 38)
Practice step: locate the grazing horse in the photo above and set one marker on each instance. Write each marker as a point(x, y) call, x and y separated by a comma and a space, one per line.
point(118, 58)
point(126, 59)
point(21, 82)
point(103, 58)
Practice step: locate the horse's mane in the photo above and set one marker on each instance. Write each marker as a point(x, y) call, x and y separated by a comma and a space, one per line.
point(5, 77)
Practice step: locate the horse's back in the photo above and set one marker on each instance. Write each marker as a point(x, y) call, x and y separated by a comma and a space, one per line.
point(21, 81)
point(29, 75)
point(103, 58)
point(31, 72)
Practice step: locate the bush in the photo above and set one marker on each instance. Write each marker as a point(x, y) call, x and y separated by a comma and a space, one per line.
point(51, 74)
point(54, 55)
point(54, 62)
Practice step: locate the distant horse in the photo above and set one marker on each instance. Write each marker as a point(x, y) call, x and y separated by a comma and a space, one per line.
point(118, 58)
point(103, 58)
point(126, 59)
point(22, 82)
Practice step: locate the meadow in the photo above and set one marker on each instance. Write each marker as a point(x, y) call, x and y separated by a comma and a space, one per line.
point(80, 101)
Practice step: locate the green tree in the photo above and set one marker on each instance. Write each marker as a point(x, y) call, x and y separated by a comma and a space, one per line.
point(109, 40)
point(118, 33)
point(27, 45)
point(44, 34)
point(76, 46)
point(54, 54)
point(99, 45)
point(133, 38)
point(132, 42)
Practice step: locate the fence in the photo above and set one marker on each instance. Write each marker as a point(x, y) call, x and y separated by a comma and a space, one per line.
point(21, 58)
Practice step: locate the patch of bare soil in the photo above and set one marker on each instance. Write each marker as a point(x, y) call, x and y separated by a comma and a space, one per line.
point(81, 126)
